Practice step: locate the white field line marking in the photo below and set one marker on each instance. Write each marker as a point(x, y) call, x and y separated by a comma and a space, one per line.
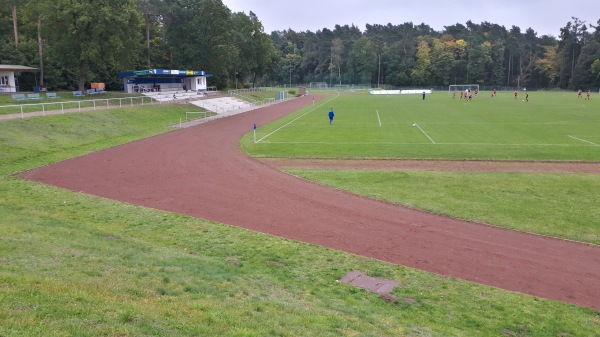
point(583, 140)
point(401, 143)
point(425, 133)
point(295, 119)
point(379, 119)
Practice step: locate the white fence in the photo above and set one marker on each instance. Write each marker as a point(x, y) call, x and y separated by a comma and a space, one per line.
point(400, 92)
point(70, 106)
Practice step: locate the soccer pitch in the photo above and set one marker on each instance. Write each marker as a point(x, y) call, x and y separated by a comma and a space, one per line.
point(551, 126)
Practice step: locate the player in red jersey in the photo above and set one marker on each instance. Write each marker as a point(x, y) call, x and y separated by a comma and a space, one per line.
point(579, 93)
point(527, 97)
point(494, 93)
point(587, 95)
point(516, 93)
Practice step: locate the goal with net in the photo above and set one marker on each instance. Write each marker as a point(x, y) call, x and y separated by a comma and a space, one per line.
point(318, 85)
point(462, 87)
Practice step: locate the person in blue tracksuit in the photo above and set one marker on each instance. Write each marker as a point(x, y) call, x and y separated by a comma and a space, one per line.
point(331, 114)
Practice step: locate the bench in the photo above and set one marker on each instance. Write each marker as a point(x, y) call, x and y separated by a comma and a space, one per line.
point(18, 97)
point(51, 95)
point(33, 96)
point(78, 94)
point(91, 91)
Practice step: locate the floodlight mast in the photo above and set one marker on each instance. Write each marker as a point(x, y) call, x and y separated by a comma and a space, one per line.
point(379, 72)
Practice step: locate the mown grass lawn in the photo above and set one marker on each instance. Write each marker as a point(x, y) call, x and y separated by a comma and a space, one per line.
point(77, 265)
point(551, 126)
point(559, 205)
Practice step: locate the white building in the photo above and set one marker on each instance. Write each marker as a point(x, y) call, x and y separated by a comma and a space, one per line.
point(164, 80)
point(8, 81)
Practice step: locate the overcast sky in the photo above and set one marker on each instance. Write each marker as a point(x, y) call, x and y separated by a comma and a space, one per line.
point(546, 17)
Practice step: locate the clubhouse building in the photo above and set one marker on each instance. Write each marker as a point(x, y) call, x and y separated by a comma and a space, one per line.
point(164, 80)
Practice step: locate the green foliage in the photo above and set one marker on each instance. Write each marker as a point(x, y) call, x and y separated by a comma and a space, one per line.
point(363, 60)
point(92, 36)
point(197, 39)
point(421, 72)
point(87, 41)
point(256, 56)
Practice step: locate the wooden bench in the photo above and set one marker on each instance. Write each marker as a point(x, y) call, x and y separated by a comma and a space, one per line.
point(18, 97)
point(78, 94)
point(35, 96)
point(50, 95)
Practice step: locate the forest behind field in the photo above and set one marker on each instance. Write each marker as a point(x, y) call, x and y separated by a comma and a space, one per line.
point(76, 42)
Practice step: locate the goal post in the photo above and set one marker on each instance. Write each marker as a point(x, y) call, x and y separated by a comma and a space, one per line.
point(462, 87)
point(318, 85)
point(203, 113)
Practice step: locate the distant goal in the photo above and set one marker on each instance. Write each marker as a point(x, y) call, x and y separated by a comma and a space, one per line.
point(318, 85)
point(462, 87)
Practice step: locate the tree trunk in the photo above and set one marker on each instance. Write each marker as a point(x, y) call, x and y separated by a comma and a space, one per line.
point(15, 29)
point(40, 50)
point(82, 83)
point(147, 17)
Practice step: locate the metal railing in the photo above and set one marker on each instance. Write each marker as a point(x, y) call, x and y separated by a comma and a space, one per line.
point(74, 106)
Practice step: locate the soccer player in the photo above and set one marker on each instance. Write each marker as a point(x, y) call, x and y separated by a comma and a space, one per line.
point(454, 94)
point(331, 114)
point(516, 93)
point(587, 95)
point(494, 93)
point(579, 93)
point(476, 92)
point(527, 97)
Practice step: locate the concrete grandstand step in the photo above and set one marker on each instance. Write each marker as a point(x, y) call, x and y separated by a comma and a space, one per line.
point(222, 104)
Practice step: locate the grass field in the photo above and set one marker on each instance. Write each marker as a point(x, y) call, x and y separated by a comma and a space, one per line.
point(551, 126)
point(77, 265)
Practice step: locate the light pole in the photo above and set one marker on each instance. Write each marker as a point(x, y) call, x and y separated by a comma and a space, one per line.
point(379, 72)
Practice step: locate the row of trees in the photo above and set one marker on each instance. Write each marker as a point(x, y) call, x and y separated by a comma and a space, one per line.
point(75, 42)
point(408, 54)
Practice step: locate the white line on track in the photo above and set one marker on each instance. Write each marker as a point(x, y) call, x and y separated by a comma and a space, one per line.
point(583, 140)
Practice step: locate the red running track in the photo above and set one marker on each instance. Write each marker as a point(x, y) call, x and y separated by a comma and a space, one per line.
point(201, 171)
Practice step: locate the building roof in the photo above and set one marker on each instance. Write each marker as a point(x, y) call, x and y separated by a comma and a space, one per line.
point(18, 69)
point(164, 73)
